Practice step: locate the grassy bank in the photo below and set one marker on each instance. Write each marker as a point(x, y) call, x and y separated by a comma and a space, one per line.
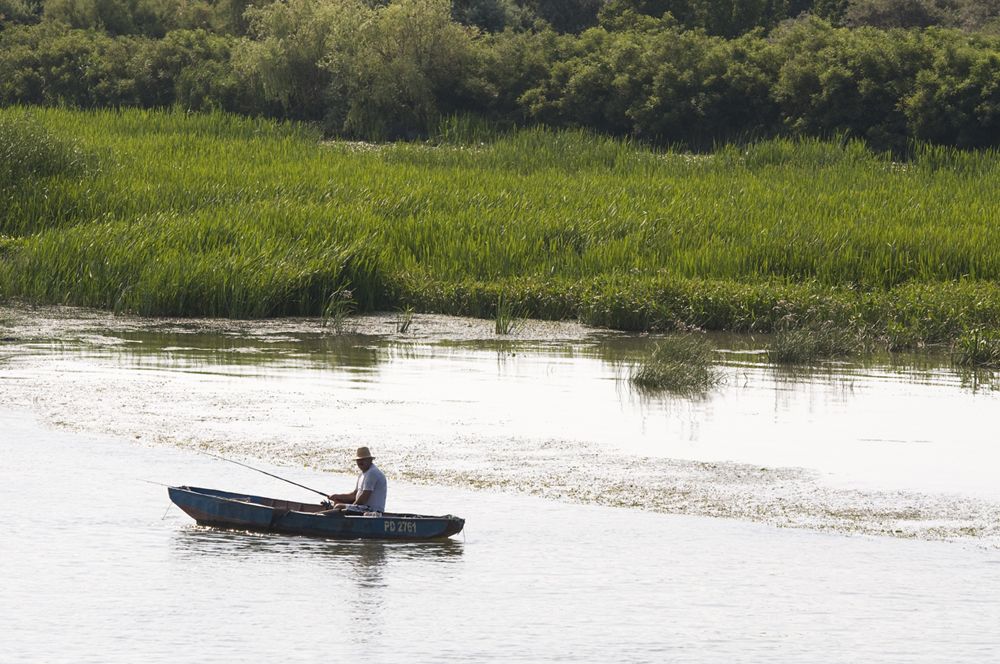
point(216, 215)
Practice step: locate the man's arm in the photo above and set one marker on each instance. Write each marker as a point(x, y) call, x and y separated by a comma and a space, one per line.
point(343, 497)
point(362, 498)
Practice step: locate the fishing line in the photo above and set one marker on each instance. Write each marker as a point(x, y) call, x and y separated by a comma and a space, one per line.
point(301, 486)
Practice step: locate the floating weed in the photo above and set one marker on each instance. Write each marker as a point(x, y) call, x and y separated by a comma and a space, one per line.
point(681, 364)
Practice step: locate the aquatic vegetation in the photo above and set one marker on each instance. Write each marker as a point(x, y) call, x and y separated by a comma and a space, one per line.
point(220, 215)
point(404, 321)
point(816, 342)
point(507, 318)
point(978, 349)
point(680, 364)
point(339, 305)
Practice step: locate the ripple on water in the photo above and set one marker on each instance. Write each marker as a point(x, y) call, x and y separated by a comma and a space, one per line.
point(460, 414)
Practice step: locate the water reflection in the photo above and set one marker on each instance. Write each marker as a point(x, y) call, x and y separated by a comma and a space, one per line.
point(367, 557)
point(979, 380)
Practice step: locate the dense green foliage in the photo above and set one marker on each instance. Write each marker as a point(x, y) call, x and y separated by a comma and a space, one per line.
point(668, 72)
point(29, 151)
point(215, 214)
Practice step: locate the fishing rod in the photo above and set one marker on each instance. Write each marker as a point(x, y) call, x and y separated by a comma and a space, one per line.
point(301, 486)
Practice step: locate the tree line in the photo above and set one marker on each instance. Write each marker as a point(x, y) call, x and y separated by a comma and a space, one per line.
point(683, 72)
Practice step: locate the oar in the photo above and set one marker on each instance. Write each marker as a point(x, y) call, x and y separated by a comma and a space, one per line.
point(301, 486)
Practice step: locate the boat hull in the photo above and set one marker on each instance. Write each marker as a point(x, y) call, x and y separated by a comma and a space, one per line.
point(223, 509)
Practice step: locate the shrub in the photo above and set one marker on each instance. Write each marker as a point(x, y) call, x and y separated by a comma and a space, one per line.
point(402, 68)
point(888, 14)
point(956, 100)
point(848, 81)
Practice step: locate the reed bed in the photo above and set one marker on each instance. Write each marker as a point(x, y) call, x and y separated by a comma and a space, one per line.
point(221, 215)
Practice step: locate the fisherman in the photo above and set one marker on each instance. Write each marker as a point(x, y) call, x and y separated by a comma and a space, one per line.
point(369, 494)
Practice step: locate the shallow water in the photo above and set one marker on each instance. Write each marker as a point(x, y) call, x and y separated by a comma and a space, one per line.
point(902, 450)
point(95, 570)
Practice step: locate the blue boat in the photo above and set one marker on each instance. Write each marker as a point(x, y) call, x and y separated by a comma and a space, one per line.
point(222, 509)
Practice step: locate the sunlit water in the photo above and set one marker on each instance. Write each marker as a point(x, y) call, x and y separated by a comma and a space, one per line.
point(94, 570)
point(588, 537)
point(863, 448)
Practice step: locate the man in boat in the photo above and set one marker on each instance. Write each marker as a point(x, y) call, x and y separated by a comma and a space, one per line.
point(369, 493)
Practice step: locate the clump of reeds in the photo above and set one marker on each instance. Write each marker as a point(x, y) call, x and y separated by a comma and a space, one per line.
point(976, 348)
point(339, 306)
point(813, 342)
point(681, 364)
point(508, 318)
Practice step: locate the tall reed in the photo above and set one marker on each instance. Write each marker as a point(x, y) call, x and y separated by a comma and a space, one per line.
point(220, 215)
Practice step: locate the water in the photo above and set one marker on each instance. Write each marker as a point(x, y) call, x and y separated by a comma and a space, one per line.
point(95, 572)
point(535, 443)
point(847, 447)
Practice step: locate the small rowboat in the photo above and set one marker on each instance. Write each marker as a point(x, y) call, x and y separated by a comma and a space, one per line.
point(222, 509)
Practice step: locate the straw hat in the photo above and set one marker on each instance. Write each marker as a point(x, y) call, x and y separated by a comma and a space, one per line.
point(363, 453)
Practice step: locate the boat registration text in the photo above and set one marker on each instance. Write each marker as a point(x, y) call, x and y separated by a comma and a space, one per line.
point(400, 527)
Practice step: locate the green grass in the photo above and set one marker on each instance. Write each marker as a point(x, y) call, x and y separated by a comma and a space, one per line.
point(679, 364)
point(166, 213)
point(28, 150)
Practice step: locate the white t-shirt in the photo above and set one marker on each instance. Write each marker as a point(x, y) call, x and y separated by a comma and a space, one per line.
point(373, 480)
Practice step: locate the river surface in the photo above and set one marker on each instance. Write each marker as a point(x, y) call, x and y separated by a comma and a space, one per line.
point(840, 513)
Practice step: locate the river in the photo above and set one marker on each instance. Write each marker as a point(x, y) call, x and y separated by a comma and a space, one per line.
point(844, 512)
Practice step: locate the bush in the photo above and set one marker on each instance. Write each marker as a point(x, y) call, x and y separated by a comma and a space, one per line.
point(52, 65)
point(887, 14)
point(835, 81)
point(19, 11)
point(290, 43)
point(193, 69)
point(403, 68)
point(705, 90)
point(956, 101)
